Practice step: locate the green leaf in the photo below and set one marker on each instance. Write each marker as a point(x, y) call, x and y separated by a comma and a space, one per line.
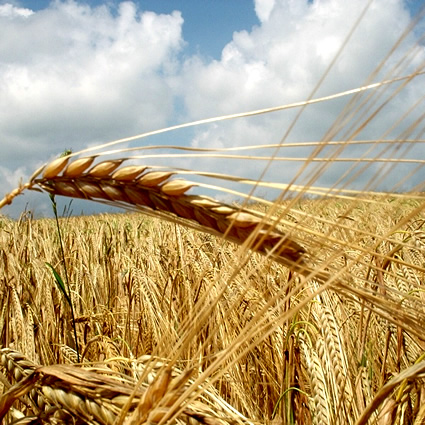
point(60, 283)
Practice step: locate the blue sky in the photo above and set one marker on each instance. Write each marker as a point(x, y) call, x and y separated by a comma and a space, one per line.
point(75, 74)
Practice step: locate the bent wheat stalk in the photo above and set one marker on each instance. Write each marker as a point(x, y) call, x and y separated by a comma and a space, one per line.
point(154, 191)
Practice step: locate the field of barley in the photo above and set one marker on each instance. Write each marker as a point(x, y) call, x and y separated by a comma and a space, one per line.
point(212, 337)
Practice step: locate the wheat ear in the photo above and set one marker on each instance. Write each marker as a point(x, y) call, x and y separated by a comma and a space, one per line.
point(68, 394)
point(154, 191)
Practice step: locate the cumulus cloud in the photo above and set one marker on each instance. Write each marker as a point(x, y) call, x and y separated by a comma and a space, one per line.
point(263, 9)
point(73, 75)
point(282, 61)
point(9, 11)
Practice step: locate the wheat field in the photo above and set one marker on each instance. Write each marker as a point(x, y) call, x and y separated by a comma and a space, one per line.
point(206, 302)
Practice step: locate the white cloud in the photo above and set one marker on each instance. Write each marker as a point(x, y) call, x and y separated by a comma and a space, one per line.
point(73, 75)
point(282, 61)
point(263, 9)
point(9, 11)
